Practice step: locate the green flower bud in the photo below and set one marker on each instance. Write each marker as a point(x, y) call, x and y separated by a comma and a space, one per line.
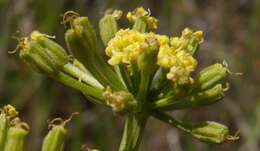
point(209, 96)
point(119, 101)
point(16, 135)
point(206, 97)
point(37, 57)
point(85, 31)
point(57, 53)
point(82, 41)
point(210, 132)
point(55, 139)
point(8, 112)
point(108, 26)
point(210, 76)
point(79, 51)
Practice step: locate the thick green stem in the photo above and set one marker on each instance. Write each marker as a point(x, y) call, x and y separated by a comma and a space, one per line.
point(84, 88)
point(170, 120)
point(81, 75)
point(133, 131)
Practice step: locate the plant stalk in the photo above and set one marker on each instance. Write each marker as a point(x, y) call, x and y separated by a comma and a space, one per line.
point(133, 131)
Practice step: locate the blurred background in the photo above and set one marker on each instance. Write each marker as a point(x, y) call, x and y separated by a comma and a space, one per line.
point(232, 33)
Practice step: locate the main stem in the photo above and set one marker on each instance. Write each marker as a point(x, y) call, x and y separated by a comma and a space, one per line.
point(133, 130)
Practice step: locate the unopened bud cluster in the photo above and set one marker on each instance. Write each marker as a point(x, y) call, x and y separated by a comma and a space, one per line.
point(14, 132)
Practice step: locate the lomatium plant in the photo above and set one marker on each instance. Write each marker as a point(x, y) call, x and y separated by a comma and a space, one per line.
point(147, 74)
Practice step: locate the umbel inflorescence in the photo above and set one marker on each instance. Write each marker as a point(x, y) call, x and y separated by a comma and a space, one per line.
point(147, 74)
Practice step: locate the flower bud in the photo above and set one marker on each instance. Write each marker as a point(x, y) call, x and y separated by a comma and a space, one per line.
point(85, 31)
point(79, 51)
point(82, 41)
point(209, 96)
point(8, 113)
point(210, 132)
point(54, 50)
point(119, 101)
point(55, 139)
point(37, 57)
point(16, 135)
point(108, 26)
point(210, 76)
point(206, 97)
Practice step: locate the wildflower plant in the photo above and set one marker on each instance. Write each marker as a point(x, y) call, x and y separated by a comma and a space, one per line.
point(146, 75)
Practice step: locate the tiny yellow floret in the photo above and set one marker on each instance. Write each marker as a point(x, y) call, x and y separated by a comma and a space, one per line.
point(119, 101)
point(141, 12)
point(188, 41)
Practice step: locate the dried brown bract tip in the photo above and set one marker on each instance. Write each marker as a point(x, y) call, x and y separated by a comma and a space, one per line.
point(85, 147)
point(233, 137)
point(21, 42)
point(59, 121)
point(68, 17)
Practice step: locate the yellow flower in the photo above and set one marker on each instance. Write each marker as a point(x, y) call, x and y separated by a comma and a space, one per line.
point(126, 46)
point(188, 41)
point(169, 56)
point(141, 12)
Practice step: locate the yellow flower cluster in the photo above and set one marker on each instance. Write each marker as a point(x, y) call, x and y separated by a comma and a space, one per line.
point(174, 53)
point(177, 56)
point(169, 57)
point(141, 12)
point(187, 41)
point(128, 44)
point(125, 47)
